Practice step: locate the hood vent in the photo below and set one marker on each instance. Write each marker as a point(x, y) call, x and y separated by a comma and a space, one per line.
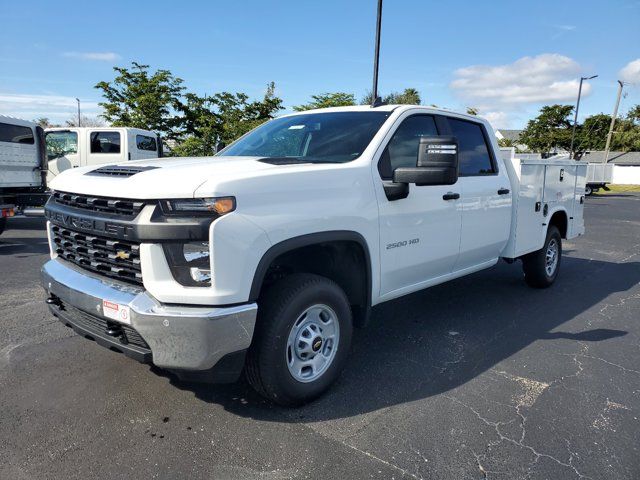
point(119, 171)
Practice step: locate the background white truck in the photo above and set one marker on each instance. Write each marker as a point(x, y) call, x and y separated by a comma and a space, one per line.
point(263, 258)
point(30, 157)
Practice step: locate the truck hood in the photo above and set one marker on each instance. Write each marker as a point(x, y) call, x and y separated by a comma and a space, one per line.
point(167, 177)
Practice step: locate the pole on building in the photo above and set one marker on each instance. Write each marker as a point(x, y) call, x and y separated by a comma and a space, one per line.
point(575, 118)
point(375, 99)
point(613, 122)
point(78, 100)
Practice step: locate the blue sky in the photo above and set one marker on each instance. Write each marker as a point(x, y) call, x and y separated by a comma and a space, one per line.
point(506, 58)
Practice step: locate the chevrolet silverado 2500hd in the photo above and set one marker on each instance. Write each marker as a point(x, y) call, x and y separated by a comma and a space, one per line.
point(264, 258)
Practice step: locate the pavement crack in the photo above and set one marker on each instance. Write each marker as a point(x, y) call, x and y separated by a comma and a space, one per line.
point(519, 443)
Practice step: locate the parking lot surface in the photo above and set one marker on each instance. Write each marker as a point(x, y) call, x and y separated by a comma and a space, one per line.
point(481, 377)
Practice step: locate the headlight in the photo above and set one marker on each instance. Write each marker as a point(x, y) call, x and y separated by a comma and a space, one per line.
point(199, 206)
point(190, 263)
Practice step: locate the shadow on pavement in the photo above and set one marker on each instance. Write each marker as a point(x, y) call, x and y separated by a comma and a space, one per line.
point(435, 340)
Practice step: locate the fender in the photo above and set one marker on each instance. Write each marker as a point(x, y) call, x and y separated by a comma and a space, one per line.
point(304, 241)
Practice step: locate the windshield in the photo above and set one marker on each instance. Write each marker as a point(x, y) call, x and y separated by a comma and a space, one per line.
point(335, 137)
point(61, 143)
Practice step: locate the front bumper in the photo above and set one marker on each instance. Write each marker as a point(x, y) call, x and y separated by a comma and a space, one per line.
point(188, 340)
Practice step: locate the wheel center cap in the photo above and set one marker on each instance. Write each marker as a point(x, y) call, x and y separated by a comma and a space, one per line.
point(316, 344)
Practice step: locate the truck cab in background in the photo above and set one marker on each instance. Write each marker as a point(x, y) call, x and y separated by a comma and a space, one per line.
point(30, 157)
point(83, 146)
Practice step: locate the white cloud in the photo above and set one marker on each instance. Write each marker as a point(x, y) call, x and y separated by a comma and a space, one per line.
point(631, 72)
point(500, 91)
point(57, 108)
point(100, 56)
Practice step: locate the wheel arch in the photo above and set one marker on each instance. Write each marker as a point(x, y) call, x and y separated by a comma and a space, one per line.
point(296, 252)
point(560, 220)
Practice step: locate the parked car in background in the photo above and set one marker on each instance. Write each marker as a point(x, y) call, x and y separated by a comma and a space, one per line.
point(83, 146)
point(23, 165)
point(31, 157)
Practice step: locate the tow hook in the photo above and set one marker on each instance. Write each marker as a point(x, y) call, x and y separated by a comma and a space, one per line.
point(115, 330)
point(53, 300)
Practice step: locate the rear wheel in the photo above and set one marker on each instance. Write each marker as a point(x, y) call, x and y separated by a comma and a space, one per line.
point(541, 267)
point(3, 224)
point(588, 190)
point(302, 339)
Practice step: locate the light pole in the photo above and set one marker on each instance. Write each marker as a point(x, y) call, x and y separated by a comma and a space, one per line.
point(575, 118)
point(375, 100)
point(613, 122)
point(78, 100)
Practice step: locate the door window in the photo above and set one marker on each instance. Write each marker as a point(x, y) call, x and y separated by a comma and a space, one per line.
point(105, 142)
point(473, 152)
point(16, 134)
point(145, 142)
point(402, 149)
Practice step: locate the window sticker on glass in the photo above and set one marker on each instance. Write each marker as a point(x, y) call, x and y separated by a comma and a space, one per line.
point(296, 127)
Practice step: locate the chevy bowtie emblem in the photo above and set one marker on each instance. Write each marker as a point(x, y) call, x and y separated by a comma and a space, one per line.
point(122, 255)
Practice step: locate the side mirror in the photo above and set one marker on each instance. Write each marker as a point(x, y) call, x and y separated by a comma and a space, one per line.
point(437, 163)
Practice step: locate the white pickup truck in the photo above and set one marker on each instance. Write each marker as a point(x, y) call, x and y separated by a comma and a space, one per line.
point(264, 258)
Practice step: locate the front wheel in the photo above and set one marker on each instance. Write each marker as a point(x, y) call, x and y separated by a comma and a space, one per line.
point(588, 190)
point(302, 339)
point(541, 267)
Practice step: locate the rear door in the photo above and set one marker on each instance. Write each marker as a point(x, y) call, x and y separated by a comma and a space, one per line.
point(420, 234)
point(485, 196)
point(104, 146)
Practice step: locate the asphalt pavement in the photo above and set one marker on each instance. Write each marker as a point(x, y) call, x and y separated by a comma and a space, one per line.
point(478, 378)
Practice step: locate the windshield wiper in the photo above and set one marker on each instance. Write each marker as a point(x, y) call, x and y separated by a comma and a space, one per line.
point(293, 160)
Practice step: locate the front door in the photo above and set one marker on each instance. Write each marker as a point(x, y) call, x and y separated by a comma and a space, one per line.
point(420, 234)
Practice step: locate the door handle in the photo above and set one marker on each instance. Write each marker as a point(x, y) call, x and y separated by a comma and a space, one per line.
point(503, 191)
point(451, 196)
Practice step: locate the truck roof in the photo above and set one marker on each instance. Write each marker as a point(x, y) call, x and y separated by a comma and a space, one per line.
point(16, 121)
point(389, 108)
point(105, 128)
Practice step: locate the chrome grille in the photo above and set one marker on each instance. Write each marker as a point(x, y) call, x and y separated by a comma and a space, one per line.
point(116, 206)
point(116, 259)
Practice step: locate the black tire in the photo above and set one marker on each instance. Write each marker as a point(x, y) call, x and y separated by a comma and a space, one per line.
point(3, 224)
point(279, 309)
point(588, 190)
point(535, 263)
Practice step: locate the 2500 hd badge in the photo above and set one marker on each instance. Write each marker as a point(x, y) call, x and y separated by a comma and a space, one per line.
point(403, 243)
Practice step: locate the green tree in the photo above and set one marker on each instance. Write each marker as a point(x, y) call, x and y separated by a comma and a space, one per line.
point(139, 98)
point(592, 134)
point(409, 96)
point(633, 114)
point(550, 130)
point(324, 100)
point(222, 117)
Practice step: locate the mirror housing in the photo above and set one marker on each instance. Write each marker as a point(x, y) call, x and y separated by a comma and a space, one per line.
point(437, 163)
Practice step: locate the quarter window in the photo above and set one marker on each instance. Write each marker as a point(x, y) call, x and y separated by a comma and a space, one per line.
point(105, 142)
point(145, 142)
point(16, 134)
point(473, 152)
point(402, 149)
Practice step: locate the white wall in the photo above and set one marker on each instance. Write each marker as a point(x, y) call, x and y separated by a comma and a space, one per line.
point(626, 175)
